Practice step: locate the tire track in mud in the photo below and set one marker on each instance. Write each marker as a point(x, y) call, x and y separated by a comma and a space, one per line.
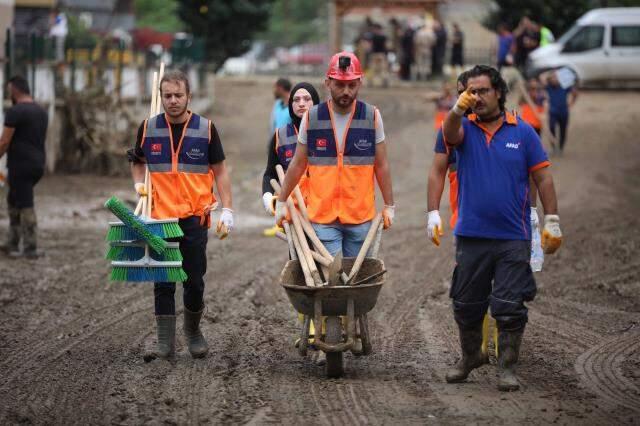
point(57, 394)
point(599, 369)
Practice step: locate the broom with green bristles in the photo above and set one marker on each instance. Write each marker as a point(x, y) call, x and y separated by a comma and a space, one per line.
point(137, 248)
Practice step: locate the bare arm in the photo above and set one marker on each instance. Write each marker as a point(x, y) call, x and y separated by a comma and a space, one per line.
point(383, 173)
point(294, 171)
point(436, 179)
point(573, 96)
point(544, 182)
point(5, 139)
point(223, 183)
point(137, 172)
point(452, 129)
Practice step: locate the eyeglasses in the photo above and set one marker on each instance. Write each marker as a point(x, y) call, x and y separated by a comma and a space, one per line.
point(483, 91)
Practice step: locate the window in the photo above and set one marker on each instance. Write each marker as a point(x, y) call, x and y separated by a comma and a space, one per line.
point(627, 36)
point(587, 38)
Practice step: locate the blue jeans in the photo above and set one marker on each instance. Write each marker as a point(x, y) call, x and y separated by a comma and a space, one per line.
point(337, 236)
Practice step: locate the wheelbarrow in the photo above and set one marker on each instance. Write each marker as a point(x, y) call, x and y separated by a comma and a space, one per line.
point(345, 309)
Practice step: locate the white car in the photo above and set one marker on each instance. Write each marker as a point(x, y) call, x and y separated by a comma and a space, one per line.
point(602, 48)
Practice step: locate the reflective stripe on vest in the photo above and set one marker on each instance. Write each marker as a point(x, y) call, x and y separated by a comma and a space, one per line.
point(182, 178)
point(286, 142)
point(341, 184)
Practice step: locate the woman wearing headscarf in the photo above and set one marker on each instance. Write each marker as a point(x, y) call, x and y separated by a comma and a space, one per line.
point(283, 144)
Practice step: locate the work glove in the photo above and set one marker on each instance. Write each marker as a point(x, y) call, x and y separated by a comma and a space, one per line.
point(141, 189)
point(434, 227)
point(268, 200)
point(551, 234)
point(388, 213)
point(465, 101)
point(281, 212)
point(225, 223)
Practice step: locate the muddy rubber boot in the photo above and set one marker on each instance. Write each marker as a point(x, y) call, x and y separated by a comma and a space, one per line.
point(508, 353)
point(472, 356)
point(166, 329)
point(13, 240)
point(198, 346)
point(29, 224)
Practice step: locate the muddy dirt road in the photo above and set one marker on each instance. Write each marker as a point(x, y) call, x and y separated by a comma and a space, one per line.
point(71, 342)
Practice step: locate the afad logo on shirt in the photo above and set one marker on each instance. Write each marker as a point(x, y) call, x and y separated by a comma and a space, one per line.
point(156, 149)
point(512, 145)
point(321, 144)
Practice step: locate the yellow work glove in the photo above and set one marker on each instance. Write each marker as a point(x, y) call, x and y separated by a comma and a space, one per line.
point(551, 234)
point(141, 189)
point(465, 101)
point(434, 227)
point(387, 216)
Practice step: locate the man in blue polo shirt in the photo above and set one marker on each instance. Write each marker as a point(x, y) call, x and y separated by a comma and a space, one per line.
point(495, 153)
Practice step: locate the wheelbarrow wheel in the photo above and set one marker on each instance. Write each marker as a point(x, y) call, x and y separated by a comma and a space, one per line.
point(304, 336)
point(364, 335)
point(333, 336)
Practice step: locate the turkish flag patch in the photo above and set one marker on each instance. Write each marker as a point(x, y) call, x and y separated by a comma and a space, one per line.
point(289, 153)
point(156, 147)
point(321, 142)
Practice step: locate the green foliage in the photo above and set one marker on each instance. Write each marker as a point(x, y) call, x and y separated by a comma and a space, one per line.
point(79, 36)
point(297, 21)
point(157, 14)
point(227, 26)
point(557, 15)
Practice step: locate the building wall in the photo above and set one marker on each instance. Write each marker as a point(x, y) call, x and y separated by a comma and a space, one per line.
point(6, 20)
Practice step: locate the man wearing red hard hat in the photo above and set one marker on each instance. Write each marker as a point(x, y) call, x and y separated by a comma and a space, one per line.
point(342, 143)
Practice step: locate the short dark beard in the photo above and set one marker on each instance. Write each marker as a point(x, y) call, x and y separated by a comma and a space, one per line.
point(492, 118)
point(179, 114)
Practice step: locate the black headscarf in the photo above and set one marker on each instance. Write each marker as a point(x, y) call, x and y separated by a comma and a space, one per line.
point(314, 96)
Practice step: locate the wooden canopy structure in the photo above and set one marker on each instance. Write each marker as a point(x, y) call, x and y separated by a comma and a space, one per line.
point(339, 8)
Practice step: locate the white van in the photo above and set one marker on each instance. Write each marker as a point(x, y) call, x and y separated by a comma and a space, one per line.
point(602, 48)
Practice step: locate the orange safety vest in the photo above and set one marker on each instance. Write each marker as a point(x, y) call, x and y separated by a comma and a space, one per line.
point(182, 178)
point(341, 185)
point(286, 143)
point(529, 116)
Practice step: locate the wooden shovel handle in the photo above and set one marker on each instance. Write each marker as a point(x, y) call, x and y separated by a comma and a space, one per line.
point(296, 192)
point(365, 247)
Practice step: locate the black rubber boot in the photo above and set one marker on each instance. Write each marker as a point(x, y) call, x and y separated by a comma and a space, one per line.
point(198, 346)
point(508, 353)
point(472, 356)
point(28, 224)
point(166, 328)
point(13, 240)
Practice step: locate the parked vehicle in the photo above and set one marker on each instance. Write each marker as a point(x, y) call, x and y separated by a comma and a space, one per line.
point(602, 48)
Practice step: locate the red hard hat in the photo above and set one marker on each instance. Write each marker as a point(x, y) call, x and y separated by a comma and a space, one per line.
point(352, 70)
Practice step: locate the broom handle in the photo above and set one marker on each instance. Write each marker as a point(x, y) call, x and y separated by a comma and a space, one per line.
point(296, 193)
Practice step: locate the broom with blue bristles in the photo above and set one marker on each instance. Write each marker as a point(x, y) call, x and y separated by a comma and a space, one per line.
point(137, 248)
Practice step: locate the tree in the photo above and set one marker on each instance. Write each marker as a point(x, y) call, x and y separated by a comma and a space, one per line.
point(557, 15)
point(157, 14)
point(227, 26)
point(296, 22)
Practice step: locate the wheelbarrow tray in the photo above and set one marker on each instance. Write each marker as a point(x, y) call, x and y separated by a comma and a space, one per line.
point(334, 299)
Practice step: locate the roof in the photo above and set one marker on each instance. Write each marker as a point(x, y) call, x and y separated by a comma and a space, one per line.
point(622, 15)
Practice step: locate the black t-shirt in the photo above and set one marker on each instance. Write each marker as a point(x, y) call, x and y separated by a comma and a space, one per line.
point(30, 122)
point(216, 154)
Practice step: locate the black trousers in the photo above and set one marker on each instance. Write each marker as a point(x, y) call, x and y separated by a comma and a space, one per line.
point(494, 273)
point(193, 247)
point(21, 181)
point(561, 121)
